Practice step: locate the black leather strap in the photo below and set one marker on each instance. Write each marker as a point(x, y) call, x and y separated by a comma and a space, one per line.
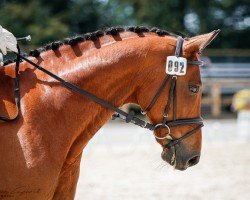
point(180, 122)
point(129, 117)
point(157, 95)
point(170, 97)
point(16, 91)
point(195, 62)
point(174, 99)
point(188, 134)
point(178, 50)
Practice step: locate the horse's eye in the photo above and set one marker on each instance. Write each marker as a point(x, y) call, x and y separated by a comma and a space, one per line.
point(193, 88)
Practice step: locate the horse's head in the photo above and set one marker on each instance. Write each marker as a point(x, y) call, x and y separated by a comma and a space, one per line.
point(173, 103)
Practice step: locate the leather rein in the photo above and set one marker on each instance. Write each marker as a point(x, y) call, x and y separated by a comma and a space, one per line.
point(128, 117)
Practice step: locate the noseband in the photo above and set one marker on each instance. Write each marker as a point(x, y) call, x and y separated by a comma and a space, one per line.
point(128, 117)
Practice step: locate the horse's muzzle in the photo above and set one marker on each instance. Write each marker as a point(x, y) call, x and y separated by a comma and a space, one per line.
point(179, 157)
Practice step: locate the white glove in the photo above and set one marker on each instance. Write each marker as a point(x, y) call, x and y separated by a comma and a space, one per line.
point(8, 41)
point(1, 59)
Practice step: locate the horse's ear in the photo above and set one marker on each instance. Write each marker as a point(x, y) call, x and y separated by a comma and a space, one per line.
point(198, 43)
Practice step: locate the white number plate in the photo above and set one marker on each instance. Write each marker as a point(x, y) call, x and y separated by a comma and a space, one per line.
point(176, 65)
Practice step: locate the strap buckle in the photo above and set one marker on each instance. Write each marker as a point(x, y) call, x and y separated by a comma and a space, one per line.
point(115, 116)
point(143, 112)
point(165, 115)
point(174, 77)
point(144, 125)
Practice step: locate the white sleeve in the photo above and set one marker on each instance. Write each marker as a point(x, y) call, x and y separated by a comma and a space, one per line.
point(7, 41)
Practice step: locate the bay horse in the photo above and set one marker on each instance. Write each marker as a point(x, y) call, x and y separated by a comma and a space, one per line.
point(41, 150)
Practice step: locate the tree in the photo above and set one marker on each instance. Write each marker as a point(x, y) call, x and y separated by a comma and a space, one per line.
point(32, 18)
point(49, 20)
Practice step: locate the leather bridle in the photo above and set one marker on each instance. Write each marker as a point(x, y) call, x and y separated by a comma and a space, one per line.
point(128, 117)
point(172, 96)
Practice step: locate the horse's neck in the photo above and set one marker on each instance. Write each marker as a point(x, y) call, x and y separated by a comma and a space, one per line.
point(112, 72)
point(108, 73)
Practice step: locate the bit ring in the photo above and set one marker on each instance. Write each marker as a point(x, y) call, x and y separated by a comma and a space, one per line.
point(164, 126)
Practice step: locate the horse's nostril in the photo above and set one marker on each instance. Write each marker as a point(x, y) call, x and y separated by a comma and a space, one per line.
point(193, 161)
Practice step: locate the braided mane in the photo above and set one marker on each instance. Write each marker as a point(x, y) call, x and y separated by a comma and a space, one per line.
point(93, 36)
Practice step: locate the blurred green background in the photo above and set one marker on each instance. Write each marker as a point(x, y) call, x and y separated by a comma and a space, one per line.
point(50, 20)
